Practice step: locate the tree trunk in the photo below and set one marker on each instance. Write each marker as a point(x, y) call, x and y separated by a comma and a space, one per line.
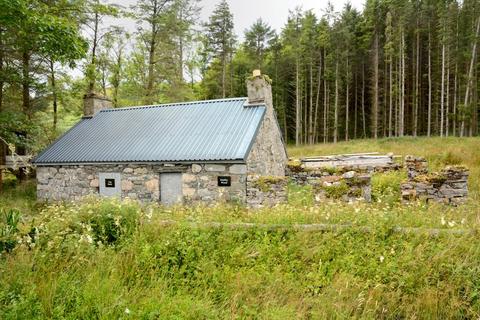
point(364, 122)
point(224, 74)
point(54, 95)
point(26, 83)
point(317, 99)
point(417, 81)
point(375, 88)
point(310, 119)
point(93, 62)
point(151, 65)
point(401, 123)
point(297, 105)
point(325, 101)
point(454, 129)
point(470, 75)
point(385, 97)
point(335, 121)
point(447, 103)
point(442, 90)
point(390, 106)
point(305, 111)
point(429, 116)
point(347, 102)
point(355, 106)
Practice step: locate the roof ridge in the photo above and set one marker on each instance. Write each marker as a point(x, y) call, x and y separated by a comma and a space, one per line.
point(174, 104)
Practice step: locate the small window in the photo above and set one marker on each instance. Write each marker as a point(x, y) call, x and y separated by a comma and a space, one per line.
point(109, 183)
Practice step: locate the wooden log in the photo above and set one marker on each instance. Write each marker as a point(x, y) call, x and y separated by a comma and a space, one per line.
point(315, 227)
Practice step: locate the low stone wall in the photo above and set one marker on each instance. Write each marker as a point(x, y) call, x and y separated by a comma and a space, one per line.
point(347, 186)
point(264, 191)
point(450, 185)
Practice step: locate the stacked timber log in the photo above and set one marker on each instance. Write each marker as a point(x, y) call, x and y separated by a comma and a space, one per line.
point(365, 162)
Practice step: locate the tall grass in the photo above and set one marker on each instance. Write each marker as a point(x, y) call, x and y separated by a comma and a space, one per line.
point(151, 271)
point(119, 260)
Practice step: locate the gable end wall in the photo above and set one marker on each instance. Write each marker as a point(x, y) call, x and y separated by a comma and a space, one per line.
point(267, 156)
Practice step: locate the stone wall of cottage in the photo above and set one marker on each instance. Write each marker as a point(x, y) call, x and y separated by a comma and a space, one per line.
point(200, 183)
point(141, 182)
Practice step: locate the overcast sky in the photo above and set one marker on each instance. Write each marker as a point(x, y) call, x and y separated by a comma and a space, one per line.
point(246, 12)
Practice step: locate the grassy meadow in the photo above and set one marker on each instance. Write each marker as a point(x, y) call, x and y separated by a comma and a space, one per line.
point(118, 260)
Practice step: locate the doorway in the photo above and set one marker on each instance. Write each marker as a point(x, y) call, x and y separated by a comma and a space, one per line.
point(171, 188)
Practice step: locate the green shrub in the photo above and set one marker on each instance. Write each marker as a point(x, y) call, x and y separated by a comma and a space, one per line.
point(336, 191)
point(386, 186)
point(9, 220)
point(110, 221)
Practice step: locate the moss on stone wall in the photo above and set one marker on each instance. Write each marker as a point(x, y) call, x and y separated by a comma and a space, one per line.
point(265, 183)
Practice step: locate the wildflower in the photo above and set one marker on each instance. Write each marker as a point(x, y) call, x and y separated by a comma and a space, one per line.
point(451, 223)
point(381, 259)
point(442, 221)
point(127, 311)
point(149, 213)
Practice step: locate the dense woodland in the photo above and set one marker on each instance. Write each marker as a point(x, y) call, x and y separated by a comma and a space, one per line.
point(396, 68)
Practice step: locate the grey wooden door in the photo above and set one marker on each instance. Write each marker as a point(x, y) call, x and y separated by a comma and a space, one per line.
point(171, 188)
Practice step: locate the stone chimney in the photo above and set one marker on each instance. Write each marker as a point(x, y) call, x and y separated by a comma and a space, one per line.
point(93, 103)
point(268, 155)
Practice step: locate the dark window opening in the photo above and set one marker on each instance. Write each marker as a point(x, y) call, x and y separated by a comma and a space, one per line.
point(109, 183)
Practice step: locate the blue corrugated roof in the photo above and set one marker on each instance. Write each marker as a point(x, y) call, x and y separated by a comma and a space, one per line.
point(210, 130)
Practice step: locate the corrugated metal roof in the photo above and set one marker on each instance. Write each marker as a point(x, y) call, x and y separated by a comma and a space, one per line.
point(192, 131)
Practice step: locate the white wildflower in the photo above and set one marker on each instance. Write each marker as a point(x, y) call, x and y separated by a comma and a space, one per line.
point(451, 223)
point(381, 258)
point(463, 221)
point(149, 213)
point(442, 221)
point(86, 238)
point(127, 311)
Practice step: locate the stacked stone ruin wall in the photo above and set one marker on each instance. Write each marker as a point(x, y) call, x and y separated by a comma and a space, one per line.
point(450, 185)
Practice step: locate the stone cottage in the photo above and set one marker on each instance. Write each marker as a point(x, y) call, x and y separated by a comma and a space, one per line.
point(198, 151)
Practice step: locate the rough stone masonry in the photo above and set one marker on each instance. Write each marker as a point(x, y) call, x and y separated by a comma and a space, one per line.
point(141, 182)
point(450, 185)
